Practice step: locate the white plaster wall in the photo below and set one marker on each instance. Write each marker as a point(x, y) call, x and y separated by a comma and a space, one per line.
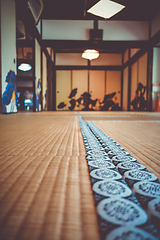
point(79, 30)
point(155, 76)
point(124, 30)
point(44, 80)
point(8, 39)
point(66, 29)
point(156, 66)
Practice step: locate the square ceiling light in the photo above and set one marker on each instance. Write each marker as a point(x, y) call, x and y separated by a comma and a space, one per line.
point(105, 8)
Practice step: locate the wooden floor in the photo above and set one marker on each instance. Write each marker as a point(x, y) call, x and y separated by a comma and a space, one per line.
point(45, 190)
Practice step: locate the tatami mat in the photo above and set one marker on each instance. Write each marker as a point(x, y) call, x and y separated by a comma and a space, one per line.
point(45, 190)
point(140, 138)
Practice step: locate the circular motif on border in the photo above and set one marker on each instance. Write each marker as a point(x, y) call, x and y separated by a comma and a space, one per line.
point(128, 233)
point(111, 188)
point(154, 207)
point(140, 175)
point(121, 211)
point(129, 165)
point(149, 189)
point(125, 158)
point(101, 164)
point(105, 174)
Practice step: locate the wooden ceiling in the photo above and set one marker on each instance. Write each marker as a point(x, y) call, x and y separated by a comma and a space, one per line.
point(135, 10)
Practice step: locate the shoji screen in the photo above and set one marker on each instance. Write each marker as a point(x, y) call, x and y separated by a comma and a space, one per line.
point(142, 71)
point(97, 84)
point(138, 83)
point(80, 81)
point(113, 84)
point(63, 87)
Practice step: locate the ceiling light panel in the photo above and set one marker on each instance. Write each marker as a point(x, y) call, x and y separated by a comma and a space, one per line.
point(105, 8)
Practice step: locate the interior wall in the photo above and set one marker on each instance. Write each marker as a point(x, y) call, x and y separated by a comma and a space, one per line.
point(66, 29)
point(44, 81)
point(79, 30)
point(8, 53)
point(155, 78)
point(124, 30)
point(38, 80)
point(125, 90)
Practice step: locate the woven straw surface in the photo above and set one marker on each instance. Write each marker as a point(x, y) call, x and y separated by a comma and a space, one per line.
point(45, 190)
point(140, 139)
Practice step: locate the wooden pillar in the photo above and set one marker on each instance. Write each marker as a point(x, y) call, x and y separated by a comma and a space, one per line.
point(129, 81)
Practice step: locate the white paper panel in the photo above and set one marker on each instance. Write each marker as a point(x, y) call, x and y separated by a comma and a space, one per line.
point(63, 87)
point(80, 81)
point(97, 84)
point(113, 84)
point(142, 71)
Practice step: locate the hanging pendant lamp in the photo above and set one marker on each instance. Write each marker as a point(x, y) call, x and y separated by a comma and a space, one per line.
point(90, 54)
point(25, 67)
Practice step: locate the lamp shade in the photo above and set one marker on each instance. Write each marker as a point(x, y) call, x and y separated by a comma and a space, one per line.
point(90, 54)
point(25, 67)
